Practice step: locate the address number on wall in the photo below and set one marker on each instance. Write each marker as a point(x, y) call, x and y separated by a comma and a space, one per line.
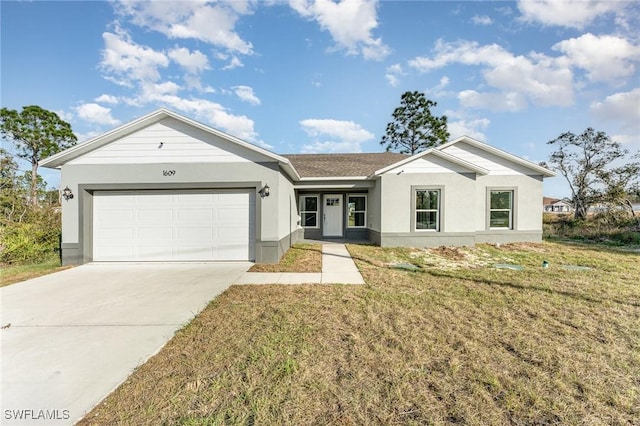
point(168, 172)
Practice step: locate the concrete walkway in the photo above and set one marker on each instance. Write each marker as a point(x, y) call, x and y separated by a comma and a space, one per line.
point(337, 268)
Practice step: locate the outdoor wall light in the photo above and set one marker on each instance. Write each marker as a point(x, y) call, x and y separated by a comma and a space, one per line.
point(67, 194)
point(264, 192)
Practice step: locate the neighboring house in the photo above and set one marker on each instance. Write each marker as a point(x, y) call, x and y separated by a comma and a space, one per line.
point(167, 188)
point(553, 205)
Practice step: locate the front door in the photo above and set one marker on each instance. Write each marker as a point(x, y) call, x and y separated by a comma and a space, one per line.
point(332, 215)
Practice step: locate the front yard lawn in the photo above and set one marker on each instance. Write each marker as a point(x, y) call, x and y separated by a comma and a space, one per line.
point(457, 341)
point(12, 274)
point(299, 258)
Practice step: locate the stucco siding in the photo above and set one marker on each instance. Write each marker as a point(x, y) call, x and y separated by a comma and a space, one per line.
point(528, 193)
point(458, 196)
point(374, 208)
point(287, 206)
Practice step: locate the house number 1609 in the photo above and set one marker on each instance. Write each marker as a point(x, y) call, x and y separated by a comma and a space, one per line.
point(168, 172)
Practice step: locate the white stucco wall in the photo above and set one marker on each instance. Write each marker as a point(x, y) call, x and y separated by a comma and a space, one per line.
point(458, 193)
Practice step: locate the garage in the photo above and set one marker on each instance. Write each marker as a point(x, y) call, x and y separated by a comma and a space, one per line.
point(174, 225)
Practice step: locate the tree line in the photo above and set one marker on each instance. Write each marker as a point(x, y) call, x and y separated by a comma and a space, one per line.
point(30, 221)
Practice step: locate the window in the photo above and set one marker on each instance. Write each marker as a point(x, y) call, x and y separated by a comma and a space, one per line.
point(357, 210)
point(309, 211)
point(501, 209)
point(427, 211)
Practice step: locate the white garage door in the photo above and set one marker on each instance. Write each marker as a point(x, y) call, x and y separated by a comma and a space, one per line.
point(173, 225)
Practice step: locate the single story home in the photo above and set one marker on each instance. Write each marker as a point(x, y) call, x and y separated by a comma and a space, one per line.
point(554, 205)
point(167, 188)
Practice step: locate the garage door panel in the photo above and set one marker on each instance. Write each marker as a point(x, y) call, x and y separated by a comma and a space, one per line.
point(154, 236)
point(157, 199)
point(195, 225)
point(159, 217)
point(232, 234)
point(195, 199)
point(113, 252)
point(114, 217)
point(194, 235)
point(194, 215)
point(122, 235)
point(230, 199)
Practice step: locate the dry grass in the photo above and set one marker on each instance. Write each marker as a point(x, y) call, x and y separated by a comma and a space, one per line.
point(299, 258)
point(11, 274)
point(445, 345)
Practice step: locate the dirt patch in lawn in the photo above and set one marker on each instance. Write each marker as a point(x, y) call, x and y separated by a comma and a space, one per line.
point(299, 258)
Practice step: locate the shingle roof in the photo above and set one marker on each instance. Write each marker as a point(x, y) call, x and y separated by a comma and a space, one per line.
point(342, 165)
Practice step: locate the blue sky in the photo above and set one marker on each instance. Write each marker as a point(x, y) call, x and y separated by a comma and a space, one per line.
point(321, 76)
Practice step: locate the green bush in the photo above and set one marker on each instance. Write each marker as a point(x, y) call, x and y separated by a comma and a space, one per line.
point(33, 240)
point(28, 243)
point(611, 227)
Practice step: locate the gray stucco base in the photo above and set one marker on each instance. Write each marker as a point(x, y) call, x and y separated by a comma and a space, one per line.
point(433, 239)
point(272, 251)
point(71, 254)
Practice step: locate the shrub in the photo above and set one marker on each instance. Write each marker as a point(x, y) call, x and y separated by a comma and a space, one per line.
point(611, 227)
point(32, 241)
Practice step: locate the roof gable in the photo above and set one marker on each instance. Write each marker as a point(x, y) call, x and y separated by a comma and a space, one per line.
point(491, 158)
point(181, 137)
point(437, 161)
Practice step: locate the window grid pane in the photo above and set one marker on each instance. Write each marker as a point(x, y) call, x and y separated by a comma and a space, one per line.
point(501, 209)
point(309, 211)
point(427, 209)
point(357, 208)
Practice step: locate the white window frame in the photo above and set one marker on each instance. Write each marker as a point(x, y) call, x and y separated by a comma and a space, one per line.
point(415, 210)
point(511, 209)
point(301, 206)
point(366, 204)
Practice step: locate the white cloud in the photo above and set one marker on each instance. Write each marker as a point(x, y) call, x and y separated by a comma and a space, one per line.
point(438, 90)
point(623, 107)
point(605, 58)
point(471, 128)
point(567, 13)
point(537, 78)
point(97, 114)
point(107, 99)
point(245, 93)
point(350, 23)
point(194, 62)
point(213, 113)
point(129, 61)
point(83, 137)
point(334, 135)
point(393, 74)
point(212, 23)
point(481, 20)
point(495, 101)
point(66, 116)
point(233, 63)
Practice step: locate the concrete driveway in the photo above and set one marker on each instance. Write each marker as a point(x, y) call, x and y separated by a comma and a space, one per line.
point(77, 334)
